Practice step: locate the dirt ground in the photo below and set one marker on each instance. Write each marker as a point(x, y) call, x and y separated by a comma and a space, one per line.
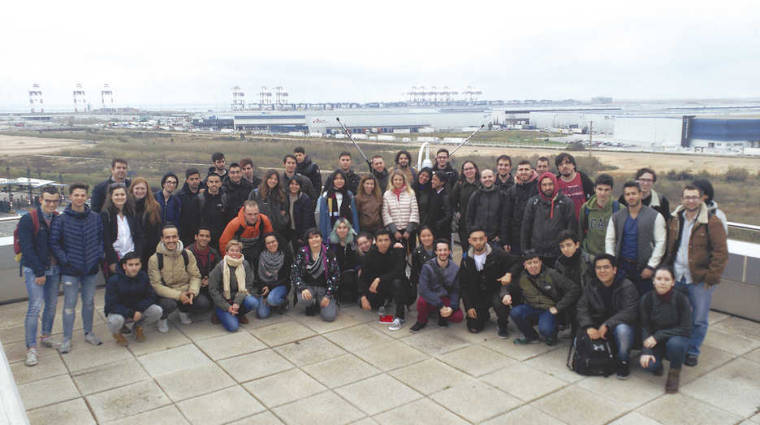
point(21, 145)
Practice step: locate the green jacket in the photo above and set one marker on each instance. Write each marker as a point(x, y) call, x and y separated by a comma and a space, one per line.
point(592, 225)
point(555, 290)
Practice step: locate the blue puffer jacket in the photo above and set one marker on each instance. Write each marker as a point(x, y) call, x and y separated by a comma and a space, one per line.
point(126, 295)
point(170, 211)
point(76, 239)
point(35, 251)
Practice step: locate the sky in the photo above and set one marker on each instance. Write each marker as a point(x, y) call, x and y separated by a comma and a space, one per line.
point(182, 53)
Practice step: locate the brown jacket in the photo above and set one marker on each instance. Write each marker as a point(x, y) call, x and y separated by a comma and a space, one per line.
point(370, 210)
point(708, 250)
point(174, 278)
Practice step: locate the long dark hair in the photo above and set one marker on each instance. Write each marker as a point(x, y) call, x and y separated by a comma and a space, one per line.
point(277, 194)
point(462, 178)
point(108, 205)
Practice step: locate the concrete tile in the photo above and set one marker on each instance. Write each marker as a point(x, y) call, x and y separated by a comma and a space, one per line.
point(630, 394)
point(435, 342)
point(107, 376)
point(378, 394)
point(173, 359)
point(284, 387)
point(255, 323)
point(476, 401)
point(12, 315)
point(634, 418)
point(324, 408)
point(230, 345)
point(681, 409)
point(167, 415)
point(156, 341)
point(188, 383)
point(85, 356)
point(48, 366)
point(476, 360)
point(390, 355)
point(16, 351)
point(264, 418)
point(715, 317)
point(734, 387)
point(755, 419)
point(513, 379)
point(255, 365)
point(430, 376)
point(345, 319)
point(753, 355)
point(357, 337)
point(14, 334)
point(72, 412)
point(282, 333)
point(554, 363)
point(127, 401)
point(201, 328)
point(310, 350)
point(709, 359)
point(579, 406)
point(520, 352)
point(340, 371)
point(732, 343)
point(48, 391)
point(524, 415)
point(220, 407)
point(420, 412)
point(737, 326)
point(365, 421)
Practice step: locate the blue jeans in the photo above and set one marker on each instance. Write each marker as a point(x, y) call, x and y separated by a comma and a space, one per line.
point(231, 322)
point(525, 316)
point(674, 350)
point(46, 293)
point(71, 288)
point(275, 298)
point(700, 297)
point(623, 335)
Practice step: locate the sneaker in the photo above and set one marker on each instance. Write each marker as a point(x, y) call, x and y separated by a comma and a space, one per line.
point(397, 324)
point(503, 332)
point(119, 337)
point(31, 357)
point(385, 319)
point(65, 346)
point(139, 334)
point(163, 326)
point(623, 370)
point(312, 310)
point(92, 338)
point(442, 322)
point(381, 311)
point(691, 360)
point(243, 319)
point(184, 318)
point(126, 330)
point(417, 326)
point(47, 341)
point(525, 341)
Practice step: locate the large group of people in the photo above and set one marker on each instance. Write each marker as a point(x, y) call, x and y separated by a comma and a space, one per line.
point(550, 252)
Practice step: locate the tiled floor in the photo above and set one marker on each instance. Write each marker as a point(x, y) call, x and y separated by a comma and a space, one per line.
point(295, 369)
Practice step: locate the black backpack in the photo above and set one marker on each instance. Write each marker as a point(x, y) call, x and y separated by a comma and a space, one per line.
point(591, 357)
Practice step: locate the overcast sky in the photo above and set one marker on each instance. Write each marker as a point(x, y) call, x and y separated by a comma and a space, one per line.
point(170, 52)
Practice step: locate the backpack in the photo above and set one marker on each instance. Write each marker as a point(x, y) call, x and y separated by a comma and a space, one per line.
point(160, 258)
point(17, 241)
point(615, 208)
point(590, 357)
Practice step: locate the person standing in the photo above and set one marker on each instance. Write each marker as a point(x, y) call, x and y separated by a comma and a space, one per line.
point(190, 215)
point(468, 183)
point(423, 191)
point(380, 172)
point(218, 165)
point(249, 172)
point(352, 179)
point(443, 165)
point(525, 187)
point(171, 206)
point(336, 202)
point(636, 235)
point(646, 178)
point(485, 210)
point(148, 211)
point(572, 183)
point(595, 215)
point(403, 163)
point(122, 232)
point(439, 207)
point(270, 196)
point(211, 206)
point(289, 163)
point(542, 165)
point(118, 175)
point(504, 179)
point(41, 271)
point(545, 216)
point(369, 203)
point(400, 212)
point(300, 212)
point(76, 239)
point(698, 251)
point(236, 191)
point(308, 168)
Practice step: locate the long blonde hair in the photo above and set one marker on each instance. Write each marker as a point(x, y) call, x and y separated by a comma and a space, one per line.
point(394, 173)
point(152, 208)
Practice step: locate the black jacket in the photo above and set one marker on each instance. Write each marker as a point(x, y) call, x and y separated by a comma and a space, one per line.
point(387, 267)
point(306, 187)
point(517, 199)
point(151, 233)
point(205, 262)
point(625, 305)
point(352, 180)
point(234, 196)
point(664, 319)
point(423, 195)
point(347, 256)
point(419, 257)
point(477, 286)
point(311, 171)
point(190, 215)
point(541, 225)
point(439, 214)
point(382, 178)
point(303, 216)
point(213, 215)
point(459, 199)
point(504, 186)
point(99, 193)
point(450, 172)
point(485, 210)
point(110, 233)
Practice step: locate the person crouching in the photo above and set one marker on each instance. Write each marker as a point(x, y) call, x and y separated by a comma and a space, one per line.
point(439, 288)
point(230, 285)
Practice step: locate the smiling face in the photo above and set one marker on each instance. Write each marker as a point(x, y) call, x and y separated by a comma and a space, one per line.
point(203, 238)
point(49, 202)
point(364, 243)
point(78, 198)
point(504, 167)
point(469, 170)
point(368, 186)
point(378, 164)
point(119, 171)
point(236, 174)
point(338, 181)
point(342, 230)
point(442, 251)
point(605, 271)
point(632, 196)
point(290, 165)
point(398, 181)
point(646, 181)
point(315, 241)
point(403, 160)
point(271, 244)
point(487, 178)
point(170, 238)
point(426, 238)
point(119, 197)
point(140, 190)
point(213, 184)
point(234, 251)
point(423, 178)
point(273, 180)
point(691, 200)
point(441, 159)
point(170, 184)
point(294, 186)
point(524, 171)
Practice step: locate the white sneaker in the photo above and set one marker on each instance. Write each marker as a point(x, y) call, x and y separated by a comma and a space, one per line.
point(397, 324)
point(92, 339)
point(163, 326)
point(184, 318)
point(381, 311)
point(31, 357)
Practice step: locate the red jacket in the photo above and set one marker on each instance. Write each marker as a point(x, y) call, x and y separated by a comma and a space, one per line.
point(233, 229)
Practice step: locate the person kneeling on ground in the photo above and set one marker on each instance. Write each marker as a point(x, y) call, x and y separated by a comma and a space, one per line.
point(273, 276)
point(315, 275)
point(439, 288)
point(665, 327)
point(176, 279)
point(130, 297)
point(545, 294)
point(609, 306)
point(230, 285)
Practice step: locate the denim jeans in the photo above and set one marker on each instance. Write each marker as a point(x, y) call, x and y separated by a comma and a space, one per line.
point(623, 335)
point(525, 316)
point(230, 321)
point(328, 313)
point(150, 315)
point(674, 349)
point(700, 297)
point(275, 298)
point(72, 286)
point(46, 293)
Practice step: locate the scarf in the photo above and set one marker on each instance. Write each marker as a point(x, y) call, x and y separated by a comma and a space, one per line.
point(237, 263)
point(270, 265)
point(315, 267)
point(333, 212)
point(398, 191)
